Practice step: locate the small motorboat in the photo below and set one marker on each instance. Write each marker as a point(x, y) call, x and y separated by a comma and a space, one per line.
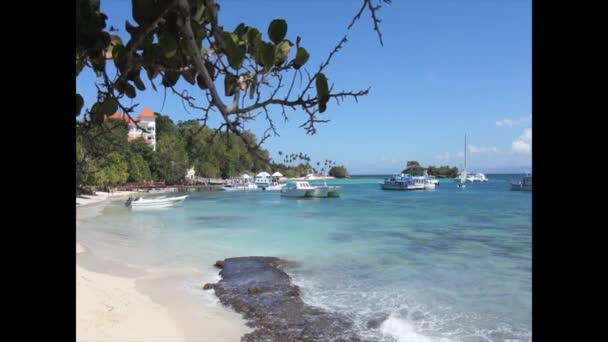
point(524, 184)
point(304, 189)
point(158, 202)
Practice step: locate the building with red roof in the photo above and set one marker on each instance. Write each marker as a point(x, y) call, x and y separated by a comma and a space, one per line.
point(143, 126)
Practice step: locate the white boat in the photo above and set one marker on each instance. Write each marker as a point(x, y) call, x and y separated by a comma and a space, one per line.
point(240, 187)
point(298, 189)
point(404, 182)
point(432, 180)
point(326, 191)
point(158, 202)
point(429, 183)
point(273, 187)
point(242, 183)
point(524, 184)
point(303, 189)
point(476, 177)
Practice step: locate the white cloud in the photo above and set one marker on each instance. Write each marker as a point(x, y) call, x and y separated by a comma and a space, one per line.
point(444, 157)
point(523, 144)
point(481, 149)
point(513, 122)
point(460, 154)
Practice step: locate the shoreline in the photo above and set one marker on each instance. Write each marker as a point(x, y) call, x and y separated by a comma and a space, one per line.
point(116, 302)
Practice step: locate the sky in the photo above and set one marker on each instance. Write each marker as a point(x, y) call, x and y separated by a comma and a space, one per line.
point(447, 68)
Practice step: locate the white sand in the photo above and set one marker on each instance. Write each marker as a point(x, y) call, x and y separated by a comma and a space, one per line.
point(109, 308)
point(146, 308)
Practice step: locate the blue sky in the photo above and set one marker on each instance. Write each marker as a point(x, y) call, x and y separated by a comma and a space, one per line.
point(446, 68)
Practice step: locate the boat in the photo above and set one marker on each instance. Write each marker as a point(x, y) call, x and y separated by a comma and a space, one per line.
point(404, 182)
point(298, 189)
point(266, 182)
point(429, 183)
point(263, 179)
point(158, 202)
point(273, 187)
point(242, 183)
point(326, 191)
point(432, 180)
point(476, 177)
point(240, 187)
point(302, 189)
point(524, 184)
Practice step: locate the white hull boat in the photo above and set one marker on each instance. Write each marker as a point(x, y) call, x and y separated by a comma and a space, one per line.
point(273, 187)
point(240, 187)
point(304, 189)
point(525, 184)
point(159, 202)
point(404, 182)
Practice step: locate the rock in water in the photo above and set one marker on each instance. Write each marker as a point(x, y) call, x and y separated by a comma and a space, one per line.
point(262, 292)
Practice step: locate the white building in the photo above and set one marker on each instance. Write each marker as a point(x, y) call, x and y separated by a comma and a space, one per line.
point(146, 120)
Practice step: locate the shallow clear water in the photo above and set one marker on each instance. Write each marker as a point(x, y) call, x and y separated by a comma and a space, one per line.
point(444, 265)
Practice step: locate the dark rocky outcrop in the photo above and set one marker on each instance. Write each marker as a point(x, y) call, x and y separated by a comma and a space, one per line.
point(262, 292)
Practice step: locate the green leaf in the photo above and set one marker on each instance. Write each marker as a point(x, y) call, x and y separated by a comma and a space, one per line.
point(171, 78)
point(199, 16)
point(230, 84)
point(241, 30)
point(189, 76)
point(253, 36)
point(79, 104)
point(277, 30)
point(150, 54)
point(322, 91)
point(167, 44)
point(185, 46)
point(109, 106)
point(281, 52)
point(96, 115)
point(301, 58)
point(210, 69)
point(139, 83)
point(234, 53)
point(130, 91)
point(264, 54)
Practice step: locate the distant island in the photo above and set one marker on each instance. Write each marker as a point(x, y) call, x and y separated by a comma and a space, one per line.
point(414, 168)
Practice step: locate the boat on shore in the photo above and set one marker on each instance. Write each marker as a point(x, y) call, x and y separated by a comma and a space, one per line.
point(157, 202)
point(524, 184)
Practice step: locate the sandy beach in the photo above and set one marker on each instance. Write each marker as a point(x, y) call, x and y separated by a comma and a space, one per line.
point(136, 305)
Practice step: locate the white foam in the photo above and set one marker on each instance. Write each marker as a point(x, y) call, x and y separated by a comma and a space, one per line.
point(403, 331)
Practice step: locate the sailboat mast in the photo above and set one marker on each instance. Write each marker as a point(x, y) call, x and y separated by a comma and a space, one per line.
point(465, 152)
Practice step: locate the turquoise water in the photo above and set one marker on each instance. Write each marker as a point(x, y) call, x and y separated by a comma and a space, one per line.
point(444, 265)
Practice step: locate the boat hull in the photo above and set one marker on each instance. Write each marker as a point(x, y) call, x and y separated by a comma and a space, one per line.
point(296, 193)
point(163, 202)
point(401, 186)
point(520, 187)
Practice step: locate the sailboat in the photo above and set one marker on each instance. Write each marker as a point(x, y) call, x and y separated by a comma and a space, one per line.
point(463, 174)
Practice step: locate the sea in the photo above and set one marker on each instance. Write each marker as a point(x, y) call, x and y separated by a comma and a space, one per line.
point(448, 264)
